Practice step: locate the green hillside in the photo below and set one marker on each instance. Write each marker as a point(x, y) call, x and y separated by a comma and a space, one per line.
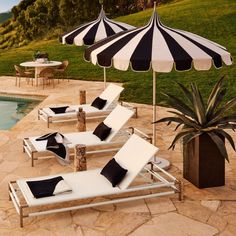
point(5, 16)
point(215, 20)
point(38, 19)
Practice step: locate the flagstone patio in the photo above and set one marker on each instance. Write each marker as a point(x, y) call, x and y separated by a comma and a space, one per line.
point(203, 212)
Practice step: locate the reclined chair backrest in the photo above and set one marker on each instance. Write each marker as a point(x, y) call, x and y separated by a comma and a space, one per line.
point(111, 93)
point(117, 119)
point(133, 156)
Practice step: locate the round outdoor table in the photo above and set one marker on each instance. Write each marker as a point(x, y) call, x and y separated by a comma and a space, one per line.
point(39, 66)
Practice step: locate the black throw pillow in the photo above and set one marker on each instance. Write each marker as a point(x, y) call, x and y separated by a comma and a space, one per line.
point(59, 110)
point(113, 172)
point(102, 131)
point(43, 188)
point(99, 103)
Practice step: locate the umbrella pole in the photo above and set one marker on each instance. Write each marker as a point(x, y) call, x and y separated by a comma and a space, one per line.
point(154, 107)
point(104, 76)
point(165, 164)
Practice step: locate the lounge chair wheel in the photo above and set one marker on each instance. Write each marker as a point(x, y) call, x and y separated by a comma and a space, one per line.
point(162, 163)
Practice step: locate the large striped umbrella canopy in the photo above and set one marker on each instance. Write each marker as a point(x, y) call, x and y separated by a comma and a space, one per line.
point(160, 48)
point(94, 31)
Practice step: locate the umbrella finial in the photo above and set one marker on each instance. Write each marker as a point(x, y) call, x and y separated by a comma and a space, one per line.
point(101, 3)
point(102, 13)
point(154, 6)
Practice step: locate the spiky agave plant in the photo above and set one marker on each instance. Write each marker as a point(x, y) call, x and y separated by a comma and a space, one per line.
point(199, 118)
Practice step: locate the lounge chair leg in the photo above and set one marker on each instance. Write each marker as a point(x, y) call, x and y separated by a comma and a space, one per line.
point(48, 122)
point(152, 169)
point(32, 160)
point(21, 217)
point(9, 191)
point(136, 112)
point(23, 146)
point(181, 190)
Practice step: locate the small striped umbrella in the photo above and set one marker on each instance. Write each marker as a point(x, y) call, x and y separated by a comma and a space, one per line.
point(94, 31)
point(160, 48)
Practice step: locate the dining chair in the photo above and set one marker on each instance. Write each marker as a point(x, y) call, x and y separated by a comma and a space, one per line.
point(21, 73)
point(61, 71)
point(47, 75)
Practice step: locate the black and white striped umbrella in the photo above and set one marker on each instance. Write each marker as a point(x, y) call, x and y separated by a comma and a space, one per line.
point(94, 31)
point(160, 48)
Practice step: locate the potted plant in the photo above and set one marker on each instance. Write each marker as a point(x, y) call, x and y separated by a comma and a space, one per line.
point(41, 56)
point(202, 133)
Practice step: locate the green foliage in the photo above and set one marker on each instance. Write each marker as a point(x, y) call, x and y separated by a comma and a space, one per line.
point(36, 18)
point(66, 9)
point(7, 29)
point(121, 7)
point(197, 117)
point(217, 24)
point(22, 6)
point(5, 16)
point(5, 23)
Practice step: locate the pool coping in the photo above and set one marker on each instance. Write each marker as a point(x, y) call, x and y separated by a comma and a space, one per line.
point(38, 97)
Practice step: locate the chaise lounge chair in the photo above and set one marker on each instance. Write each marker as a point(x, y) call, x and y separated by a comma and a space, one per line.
point(111, 94)
point(115, 120)
point(87, 185)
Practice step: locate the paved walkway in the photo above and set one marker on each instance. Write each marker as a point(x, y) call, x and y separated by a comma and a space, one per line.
point(203, 212)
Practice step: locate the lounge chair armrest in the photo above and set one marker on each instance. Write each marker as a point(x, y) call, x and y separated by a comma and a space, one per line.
point(128, 105)
point(140, 133)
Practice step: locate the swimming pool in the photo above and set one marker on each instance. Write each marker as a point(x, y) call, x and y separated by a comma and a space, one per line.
point(13, 109)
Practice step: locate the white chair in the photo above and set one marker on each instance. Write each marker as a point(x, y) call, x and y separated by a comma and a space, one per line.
point(116, 120)
point(133, 156)
point(111, 94)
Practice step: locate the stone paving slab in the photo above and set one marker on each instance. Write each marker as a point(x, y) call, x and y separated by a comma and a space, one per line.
point(203, 212)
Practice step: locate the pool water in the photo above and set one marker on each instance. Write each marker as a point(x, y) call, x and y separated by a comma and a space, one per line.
point(13, 109)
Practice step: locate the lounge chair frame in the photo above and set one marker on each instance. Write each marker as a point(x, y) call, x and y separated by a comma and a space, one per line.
point(113, 146)
point(163, 180)
point(112, 92)
point(42, 115)
point(115, 139)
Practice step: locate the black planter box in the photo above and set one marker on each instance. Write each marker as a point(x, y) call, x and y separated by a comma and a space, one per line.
point(204, 166)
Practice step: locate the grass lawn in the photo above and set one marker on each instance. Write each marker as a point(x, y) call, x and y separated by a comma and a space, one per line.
point(215, 20)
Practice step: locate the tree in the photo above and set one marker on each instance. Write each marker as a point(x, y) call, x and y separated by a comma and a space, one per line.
point(66, 12)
